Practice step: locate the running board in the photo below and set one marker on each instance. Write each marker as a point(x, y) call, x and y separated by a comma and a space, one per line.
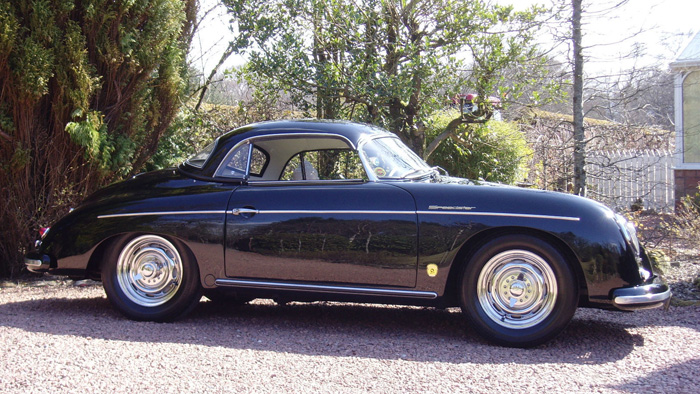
point(368, 291)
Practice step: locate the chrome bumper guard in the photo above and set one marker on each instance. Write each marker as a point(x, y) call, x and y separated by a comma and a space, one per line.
point(649, 296)
point(36, 263)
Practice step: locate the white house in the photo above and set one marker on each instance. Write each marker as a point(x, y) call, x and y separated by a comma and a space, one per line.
point(687, 116)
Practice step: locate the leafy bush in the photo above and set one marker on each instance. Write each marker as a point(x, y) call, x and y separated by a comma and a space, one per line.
point(495, 151)
point(87, 88)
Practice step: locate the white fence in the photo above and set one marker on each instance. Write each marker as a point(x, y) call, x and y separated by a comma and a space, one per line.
point(623, 178)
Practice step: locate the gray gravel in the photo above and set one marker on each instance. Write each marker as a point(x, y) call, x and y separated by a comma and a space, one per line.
point(64, 338)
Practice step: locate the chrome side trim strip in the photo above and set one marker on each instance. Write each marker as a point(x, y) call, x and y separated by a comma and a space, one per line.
point(343, 212)
point(339, 212)
point(124, 215)
point(306, 182)
point(254, 284)
point(643, 299)
point(513, 215)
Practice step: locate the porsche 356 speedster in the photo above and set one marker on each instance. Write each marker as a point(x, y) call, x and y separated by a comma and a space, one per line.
point(315, 210)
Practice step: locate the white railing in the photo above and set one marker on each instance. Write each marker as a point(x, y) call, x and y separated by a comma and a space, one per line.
point(625, 178)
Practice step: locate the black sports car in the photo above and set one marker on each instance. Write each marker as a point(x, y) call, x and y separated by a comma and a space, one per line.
point(314, 210)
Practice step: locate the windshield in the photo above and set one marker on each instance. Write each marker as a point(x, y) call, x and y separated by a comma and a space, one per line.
point(389, 158)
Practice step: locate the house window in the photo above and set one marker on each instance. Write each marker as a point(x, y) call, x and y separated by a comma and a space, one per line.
point(691, 118)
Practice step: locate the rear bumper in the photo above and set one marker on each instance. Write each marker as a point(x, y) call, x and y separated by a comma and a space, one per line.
point(36, 262)
point(654, 295)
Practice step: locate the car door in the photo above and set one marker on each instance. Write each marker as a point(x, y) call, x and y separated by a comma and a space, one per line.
point(362, 233)
point(302, 227)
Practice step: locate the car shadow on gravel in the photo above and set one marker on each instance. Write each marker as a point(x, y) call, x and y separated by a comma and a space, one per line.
point(328, 329)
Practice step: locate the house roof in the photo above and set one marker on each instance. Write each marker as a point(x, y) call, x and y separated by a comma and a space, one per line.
point(689, 56)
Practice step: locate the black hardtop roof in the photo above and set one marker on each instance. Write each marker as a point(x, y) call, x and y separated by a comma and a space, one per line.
point(350, 130)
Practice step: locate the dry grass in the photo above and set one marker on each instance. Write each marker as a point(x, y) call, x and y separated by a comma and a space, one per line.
point(673, 242)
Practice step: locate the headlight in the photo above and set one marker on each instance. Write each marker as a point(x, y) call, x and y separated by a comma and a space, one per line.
point(629, 232)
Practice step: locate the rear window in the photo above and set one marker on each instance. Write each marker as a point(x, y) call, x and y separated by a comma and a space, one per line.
point(200, 158)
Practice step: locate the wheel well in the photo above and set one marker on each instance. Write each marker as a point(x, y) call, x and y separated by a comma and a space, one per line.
point(475, 242)
point(94, 267)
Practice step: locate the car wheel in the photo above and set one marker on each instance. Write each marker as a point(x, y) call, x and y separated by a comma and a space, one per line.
point(149, 278)
point(518, 291)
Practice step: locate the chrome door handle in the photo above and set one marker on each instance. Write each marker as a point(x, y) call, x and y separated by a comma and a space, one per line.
point(239, 211)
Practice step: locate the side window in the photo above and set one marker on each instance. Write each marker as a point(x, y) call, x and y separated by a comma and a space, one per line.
point(236, 162)
point(293, 169)
point(327, 164)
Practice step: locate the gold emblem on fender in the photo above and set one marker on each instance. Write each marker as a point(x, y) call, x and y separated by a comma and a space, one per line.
point(432, 270)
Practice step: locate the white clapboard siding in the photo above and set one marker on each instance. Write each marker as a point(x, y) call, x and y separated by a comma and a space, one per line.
point(620, 178)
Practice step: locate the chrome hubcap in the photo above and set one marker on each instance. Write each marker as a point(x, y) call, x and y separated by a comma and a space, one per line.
point(149, 270)
point(517, 289)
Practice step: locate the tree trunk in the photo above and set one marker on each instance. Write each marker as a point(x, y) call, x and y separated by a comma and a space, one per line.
point(391, 67)
point(579, 135)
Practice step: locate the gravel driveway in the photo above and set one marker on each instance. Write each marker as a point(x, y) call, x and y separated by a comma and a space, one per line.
point(68, 339)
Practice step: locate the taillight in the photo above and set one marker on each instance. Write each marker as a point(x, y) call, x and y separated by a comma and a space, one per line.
point(43, 231)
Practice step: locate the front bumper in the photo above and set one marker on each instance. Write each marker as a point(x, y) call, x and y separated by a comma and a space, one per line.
point(647, 296)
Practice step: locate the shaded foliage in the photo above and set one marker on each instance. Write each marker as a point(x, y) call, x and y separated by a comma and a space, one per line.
point(86, 90)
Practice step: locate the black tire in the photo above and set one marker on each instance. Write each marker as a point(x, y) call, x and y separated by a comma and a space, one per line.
point(518, 291)
point(148, 277)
